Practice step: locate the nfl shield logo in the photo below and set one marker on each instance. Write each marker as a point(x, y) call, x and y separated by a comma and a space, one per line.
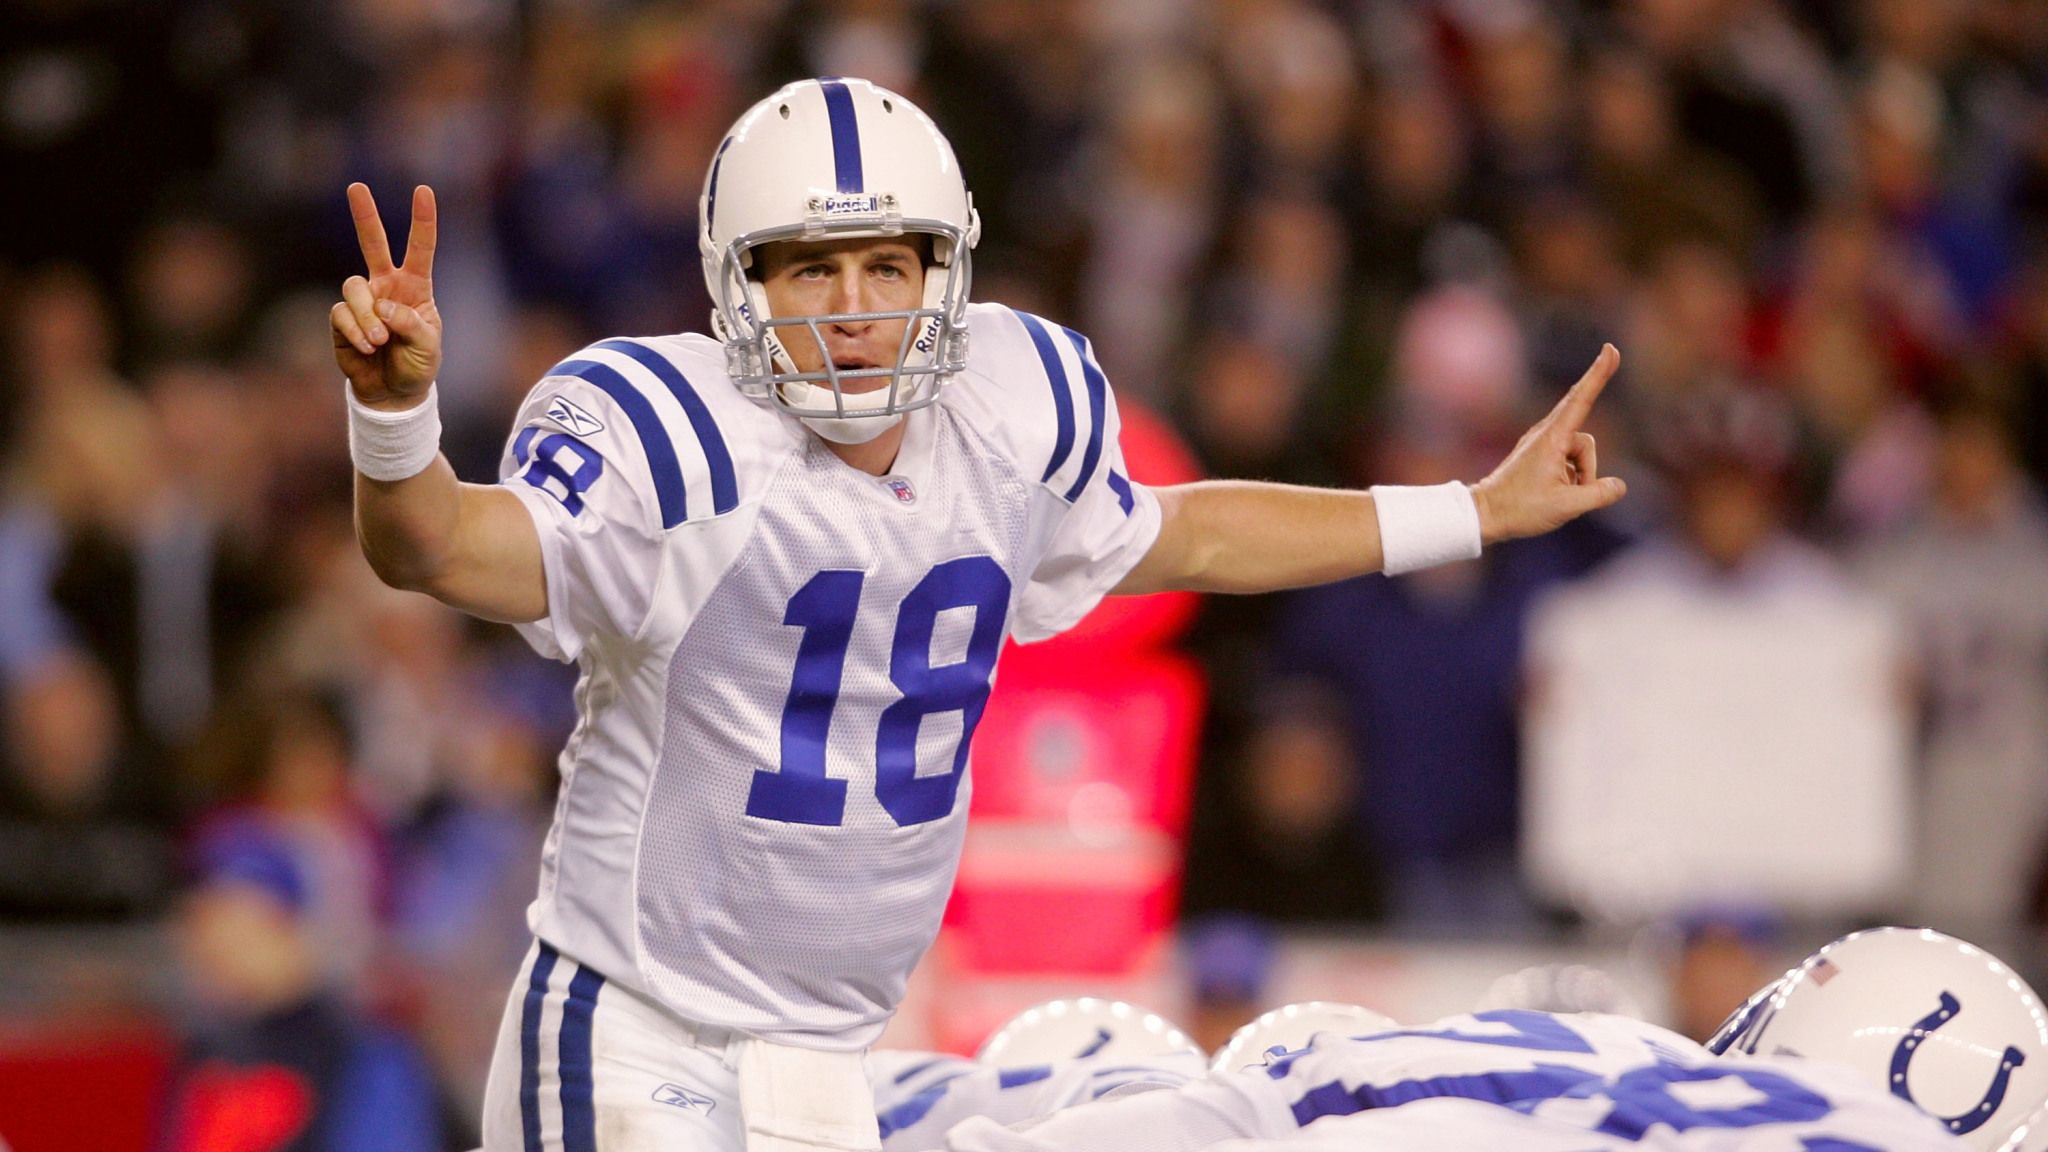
point(905, 494)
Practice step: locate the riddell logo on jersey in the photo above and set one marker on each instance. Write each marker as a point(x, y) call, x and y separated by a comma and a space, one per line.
point(681, 1097)
point(565, 412)
point(905, 494)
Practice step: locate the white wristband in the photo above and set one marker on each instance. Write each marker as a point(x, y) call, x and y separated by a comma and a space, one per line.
point(393, 445)
point(1424, 527)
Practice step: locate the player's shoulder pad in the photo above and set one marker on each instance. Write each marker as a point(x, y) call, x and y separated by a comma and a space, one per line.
point(1054, 402)
point(667, 401)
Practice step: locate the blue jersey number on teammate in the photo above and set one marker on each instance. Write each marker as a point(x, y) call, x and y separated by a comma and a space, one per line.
point(1642, 1098)
point(825, 608)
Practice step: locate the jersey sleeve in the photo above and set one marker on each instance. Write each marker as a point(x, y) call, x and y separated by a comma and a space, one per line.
point(576, 461)
point(1104, 522)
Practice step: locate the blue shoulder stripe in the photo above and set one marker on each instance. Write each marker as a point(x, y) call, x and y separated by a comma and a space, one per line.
point(1062, 399)
point(725, 488)
point(661, 454)
point(1098, 405)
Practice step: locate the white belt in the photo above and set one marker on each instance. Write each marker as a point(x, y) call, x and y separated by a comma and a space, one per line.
point(802, 1100)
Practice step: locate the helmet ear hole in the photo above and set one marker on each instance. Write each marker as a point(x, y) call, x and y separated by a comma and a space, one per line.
point(785, 111)
point(888, 105)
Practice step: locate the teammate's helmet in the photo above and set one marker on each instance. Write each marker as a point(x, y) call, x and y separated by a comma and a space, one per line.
point(1071, 1029)
point(1560, 988)
point(1292, 1027)
point(1940, 1023)
point(827, 159)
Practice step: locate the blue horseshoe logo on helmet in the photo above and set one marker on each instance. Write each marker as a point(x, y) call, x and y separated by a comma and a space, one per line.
point(1902, 1058)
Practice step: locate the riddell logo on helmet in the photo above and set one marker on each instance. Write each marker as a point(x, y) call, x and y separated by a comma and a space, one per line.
point(929, 338)
point(852, 205)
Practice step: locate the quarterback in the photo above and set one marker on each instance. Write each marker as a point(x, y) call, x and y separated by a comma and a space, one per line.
point(784, 559)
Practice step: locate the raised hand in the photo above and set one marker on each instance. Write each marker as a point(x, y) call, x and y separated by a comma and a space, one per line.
point(387, 332)
point(1553, 475)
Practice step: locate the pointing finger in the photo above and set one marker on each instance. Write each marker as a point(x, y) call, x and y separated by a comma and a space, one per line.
point(369, 229)
point(419, 244)
point(1577, 404)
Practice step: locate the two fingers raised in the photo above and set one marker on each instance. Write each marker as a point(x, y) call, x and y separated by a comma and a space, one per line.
point(420, 242)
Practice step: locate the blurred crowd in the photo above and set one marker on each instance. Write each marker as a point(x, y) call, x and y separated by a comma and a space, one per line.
point(1331, 241)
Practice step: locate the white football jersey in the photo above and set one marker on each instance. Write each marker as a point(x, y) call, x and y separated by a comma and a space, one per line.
point(919, 1096)
point(783, 658)
point(1618, 1082)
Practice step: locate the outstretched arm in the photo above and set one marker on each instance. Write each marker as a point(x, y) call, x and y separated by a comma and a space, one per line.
point(1241, 536)
point(470, 546)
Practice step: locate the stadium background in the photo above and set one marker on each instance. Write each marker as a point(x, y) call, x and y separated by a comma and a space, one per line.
point(1325, 242)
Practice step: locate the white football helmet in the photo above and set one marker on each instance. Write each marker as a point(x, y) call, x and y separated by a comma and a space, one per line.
point(1939, 1022)
point(1560, 988)
point(1292, 1027)
point(1077, 1028)
point(826, 159)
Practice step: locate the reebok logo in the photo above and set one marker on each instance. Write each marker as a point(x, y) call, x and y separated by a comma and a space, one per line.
point(678, 1096)
point(565, 412)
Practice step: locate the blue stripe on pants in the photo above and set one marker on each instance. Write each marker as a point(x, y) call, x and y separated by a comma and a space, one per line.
point(579, 1115)
point(529, 1046)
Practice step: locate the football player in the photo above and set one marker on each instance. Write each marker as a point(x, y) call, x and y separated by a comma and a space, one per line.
point(1894, 1040)
point(1049, 1057)
point(785, 560)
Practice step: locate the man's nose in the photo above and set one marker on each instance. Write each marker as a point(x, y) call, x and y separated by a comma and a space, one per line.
point(846, 297)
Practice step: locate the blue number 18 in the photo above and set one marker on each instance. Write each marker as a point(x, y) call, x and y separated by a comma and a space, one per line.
point(825, 608)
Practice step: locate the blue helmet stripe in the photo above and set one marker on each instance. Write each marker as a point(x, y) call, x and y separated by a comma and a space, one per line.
point(711, 193)
point(845, 134)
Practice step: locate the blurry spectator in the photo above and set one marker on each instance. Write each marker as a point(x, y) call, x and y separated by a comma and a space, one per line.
point(1971, 575)
point(191, 287)
point(1284, 847)
point(467, 870)
point(1285, 284)
point(1426, 669)
point(1460, 364)
point(1691, 326)
point(1750, 86)
point(1657, 189)
point(84, 827)
point(1723, 958)
point(276, 1062)
point(1289, 67)
point(1152, 214)
point(1574, 291)
point(1246, 405)
point(30, 627)
point(287, 760)
point(1230, 962)
point(1715, 715)
point(1524, 112)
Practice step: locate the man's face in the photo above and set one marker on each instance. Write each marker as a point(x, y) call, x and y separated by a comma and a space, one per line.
point(822, 278)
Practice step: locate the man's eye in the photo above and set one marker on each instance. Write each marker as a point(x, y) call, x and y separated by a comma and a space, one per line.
point(889, 271)
point(814, 271)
